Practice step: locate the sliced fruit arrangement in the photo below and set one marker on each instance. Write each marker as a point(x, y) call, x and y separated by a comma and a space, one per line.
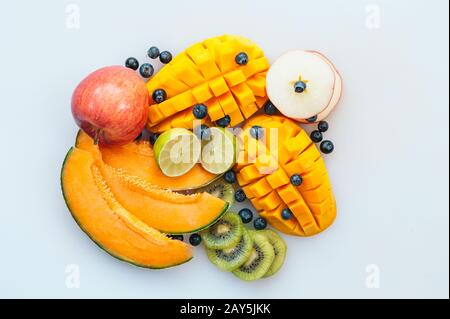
point(108, 223)
point(222, 79)
point(304, 85)
point(284, 176)
point(138, 199)
point(248, 254)
point(138, 159)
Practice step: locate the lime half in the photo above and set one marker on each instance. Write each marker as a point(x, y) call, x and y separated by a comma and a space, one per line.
point(177, 151)
point(218, 152)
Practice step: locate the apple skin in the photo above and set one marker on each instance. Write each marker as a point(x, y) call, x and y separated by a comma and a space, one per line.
point(111, 105)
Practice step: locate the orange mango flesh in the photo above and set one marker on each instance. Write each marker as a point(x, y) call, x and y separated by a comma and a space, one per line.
point(208, 73)
point(268, 186)
point(137, 159)
point(111, 226)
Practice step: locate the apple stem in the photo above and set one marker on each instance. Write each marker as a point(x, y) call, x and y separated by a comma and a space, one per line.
point(97, 136)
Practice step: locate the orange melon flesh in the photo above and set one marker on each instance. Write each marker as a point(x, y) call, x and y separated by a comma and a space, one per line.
point(164, 210)
point(312, 203)
point(138, 159)
point(111, 226)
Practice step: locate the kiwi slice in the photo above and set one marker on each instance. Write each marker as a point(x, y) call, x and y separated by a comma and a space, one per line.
point(232, 258)
point(261, 258)
point(220, 189)
point(224, 234)
point(279, 247)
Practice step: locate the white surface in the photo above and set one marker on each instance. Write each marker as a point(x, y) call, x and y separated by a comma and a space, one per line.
point(389, 170)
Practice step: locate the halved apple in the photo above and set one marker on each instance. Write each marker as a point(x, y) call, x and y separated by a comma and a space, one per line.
point(338, 87)
point(309, 71)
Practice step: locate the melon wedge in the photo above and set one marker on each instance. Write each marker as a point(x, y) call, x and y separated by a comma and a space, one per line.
point(137, 159)
point(107, 223)
point(165, 210)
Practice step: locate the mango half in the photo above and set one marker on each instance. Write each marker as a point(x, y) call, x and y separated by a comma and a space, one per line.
point(208, 73)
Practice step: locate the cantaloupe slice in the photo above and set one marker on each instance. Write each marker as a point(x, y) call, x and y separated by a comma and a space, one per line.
point(105, 221)
point(165, 210)
point(137, 159)
point(207, 73)
point(312, 203)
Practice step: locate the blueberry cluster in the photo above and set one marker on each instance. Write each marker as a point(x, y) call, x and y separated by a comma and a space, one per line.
point(326, 146)
point(146, 70)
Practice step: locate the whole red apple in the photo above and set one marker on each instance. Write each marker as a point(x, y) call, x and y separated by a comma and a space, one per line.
point(111, 105)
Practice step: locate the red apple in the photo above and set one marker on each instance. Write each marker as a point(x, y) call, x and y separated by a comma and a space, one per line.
point(111, 105)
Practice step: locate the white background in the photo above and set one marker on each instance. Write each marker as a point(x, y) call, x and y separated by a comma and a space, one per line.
point(389, 170)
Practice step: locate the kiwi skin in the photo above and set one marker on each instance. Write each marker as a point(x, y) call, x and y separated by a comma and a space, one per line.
point(220, 189)
point(214, 240)
point(238, 255)
point(261, 258)
point(279, 247)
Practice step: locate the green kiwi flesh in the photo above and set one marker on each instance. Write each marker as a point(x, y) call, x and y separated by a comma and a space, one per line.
point(279, 247)
point(261, 258)
point(224, 234)
point(232, 258)
point(220, 189)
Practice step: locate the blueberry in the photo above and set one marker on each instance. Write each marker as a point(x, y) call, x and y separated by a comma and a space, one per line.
point(153, 53)
point(159, 96)
point(230, 177)
point(200, 111)
point(176, 237)
point(224, 121)
point(239, 196)
point(296, 180)
point(257, 132)
point(246, 215)
point(316, 136)
point(300, 86)
point(203, 132)
point(165, 57)
point(312, 119)
point(153, 138)
point(139, 137)
point(146, 70)
point(132, 63)
point(269, 108)
point(242, 58)
point(327, 147)
point(195, 239)
point(259, 223)
point(322, 126)
point(286, 214)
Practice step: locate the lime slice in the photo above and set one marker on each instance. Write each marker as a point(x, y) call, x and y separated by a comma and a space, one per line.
point(218, 152)
point(177, 151)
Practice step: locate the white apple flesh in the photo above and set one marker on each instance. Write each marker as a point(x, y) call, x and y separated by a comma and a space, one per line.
point(308, 67)
point(338, 87)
